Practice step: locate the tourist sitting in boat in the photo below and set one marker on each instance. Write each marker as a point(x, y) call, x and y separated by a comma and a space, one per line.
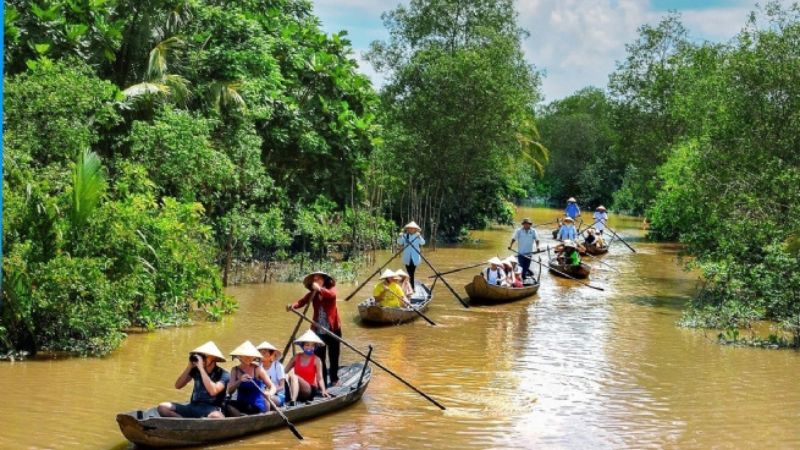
point(208, 392)
point(249, 380)
point(570, 255)
point(271, 362)
point(513, 272)
point(305, 370)
point(388, 292)
point(589, 236)
point(494, 274)
point(405, 283)
point(567, 230)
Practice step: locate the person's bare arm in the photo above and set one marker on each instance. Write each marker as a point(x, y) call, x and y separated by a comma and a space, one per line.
point(185, 377)
point(211, 387)
point(320, 378)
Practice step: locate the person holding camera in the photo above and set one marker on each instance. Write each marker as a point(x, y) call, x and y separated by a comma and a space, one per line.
point(208, 392)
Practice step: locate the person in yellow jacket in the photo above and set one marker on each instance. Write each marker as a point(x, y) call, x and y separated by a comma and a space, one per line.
point(388, 292)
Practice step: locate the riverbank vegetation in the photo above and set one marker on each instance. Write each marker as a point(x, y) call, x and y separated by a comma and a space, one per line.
point(703, 139)
point(151, 146)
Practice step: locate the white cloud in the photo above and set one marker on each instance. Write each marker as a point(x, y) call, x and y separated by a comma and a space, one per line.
point(576, 42)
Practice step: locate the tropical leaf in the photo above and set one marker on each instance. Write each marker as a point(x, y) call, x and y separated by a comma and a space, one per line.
point(88, 185)
point(157, 64)
point(225, 95)
point(146, 88)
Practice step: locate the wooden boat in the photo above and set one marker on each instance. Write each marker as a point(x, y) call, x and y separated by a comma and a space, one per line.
point(371, 311)
point(480, 291)
point(594, 249)
point(147, 428)
point(580, 272)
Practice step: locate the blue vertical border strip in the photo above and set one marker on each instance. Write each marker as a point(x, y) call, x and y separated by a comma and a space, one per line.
point(2, 119)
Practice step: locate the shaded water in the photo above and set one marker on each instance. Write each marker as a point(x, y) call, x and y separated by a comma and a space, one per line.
point(570, 368)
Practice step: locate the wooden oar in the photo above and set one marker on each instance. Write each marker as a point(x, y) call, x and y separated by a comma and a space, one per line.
point(618, 237)
point(275, 408)
point(457, 270)
point(543, 224)
point(601, 262)
point(438, 274)
point(590, 226)
point(376, 363)
point(296, 329)
point(562, 273)
point(347, 299)
point(411, 307)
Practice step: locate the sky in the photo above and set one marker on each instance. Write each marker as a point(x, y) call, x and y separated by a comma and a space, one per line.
point(576, 43)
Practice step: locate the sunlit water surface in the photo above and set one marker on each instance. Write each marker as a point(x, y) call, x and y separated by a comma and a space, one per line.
point(570, 368)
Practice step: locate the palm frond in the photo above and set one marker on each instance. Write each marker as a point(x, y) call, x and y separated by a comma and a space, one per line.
point(225, 95)
point(157, 64)
point(88, 185)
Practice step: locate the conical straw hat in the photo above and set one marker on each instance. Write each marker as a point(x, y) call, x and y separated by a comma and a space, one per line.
point(246, 349)
point(400, 273)
point(601, 208)
point(412, 224)
point(309, 336)
point(495, 260)
point(569, 244)
point(387, 274)
point(569, 219)
point(571, 199)
point(329, 280)
point(267, 346)
point(210, 349)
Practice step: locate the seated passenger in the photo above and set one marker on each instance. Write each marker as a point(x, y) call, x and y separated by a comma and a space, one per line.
point(271, 361)
point(591, 237)
point(494, 274)
point(388, 293)
point(305, 370)
point(514, 272)
point(570, 255)
point(248, 380)
point(567, 230)
point(404, 282)
point(208, 391)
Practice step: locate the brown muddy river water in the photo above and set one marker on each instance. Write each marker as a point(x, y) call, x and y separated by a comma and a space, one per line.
point(570, 368)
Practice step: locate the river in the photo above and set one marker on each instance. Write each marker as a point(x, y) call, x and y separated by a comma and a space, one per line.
point(571, 367)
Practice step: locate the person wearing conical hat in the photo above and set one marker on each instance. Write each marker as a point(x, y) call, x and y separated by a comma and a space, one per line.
point(572, 210)
point(250, 381)
point(388, 293)
point(513, 272)
point(305, 370)
point(525, 236)
point(270, 356)
point(494, 274)
point(208, 392)
point(567, 230)
point(600, 219)
point(322, 295)
point(405, 284)
point(570, 255)
point(411, 239)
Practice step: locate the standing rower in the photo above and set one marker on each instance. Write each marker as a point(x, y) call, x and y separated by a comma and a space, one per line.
point(572, 210)
point(525, 237)
point(412, 240)
point(600, 219)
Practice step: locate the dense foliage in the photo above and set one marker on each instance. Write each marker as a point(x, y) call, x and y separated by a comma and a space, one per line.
point(458, 109)
point(149, 142)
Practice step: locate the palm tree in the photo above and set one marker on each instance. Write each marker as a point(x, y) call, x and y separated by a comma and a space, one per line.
point(158, 81)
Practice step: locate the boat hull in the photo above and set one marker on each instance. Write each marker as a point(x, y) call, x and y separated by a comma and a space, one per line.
point(147, 428)
point(579, 272)
point(480, 291)
point(371, 312)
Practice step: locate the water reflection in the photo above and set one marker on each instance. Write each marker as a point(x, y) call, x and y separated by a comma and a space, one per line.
point(569, 368)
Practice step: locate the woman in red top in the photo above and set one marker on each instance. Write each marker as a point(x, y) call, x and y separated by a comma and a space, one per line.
point(305, 370)
point(322, 295)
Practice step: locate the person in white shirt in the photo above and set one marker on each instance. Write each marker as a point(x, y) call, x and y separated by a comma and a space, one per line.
point(525, 237)
point(271, 362)
point(600, 219)
point(494, 274)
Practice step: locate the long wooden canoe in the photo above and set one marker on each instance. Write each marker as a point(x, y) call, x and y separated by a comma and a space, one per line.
point(147, 428)
point(480, 291)
point(581, 271)
point(371, 311)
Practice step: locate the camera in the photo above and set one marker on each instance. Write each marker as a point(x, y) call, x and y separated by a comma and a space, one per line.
point(192, 356)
